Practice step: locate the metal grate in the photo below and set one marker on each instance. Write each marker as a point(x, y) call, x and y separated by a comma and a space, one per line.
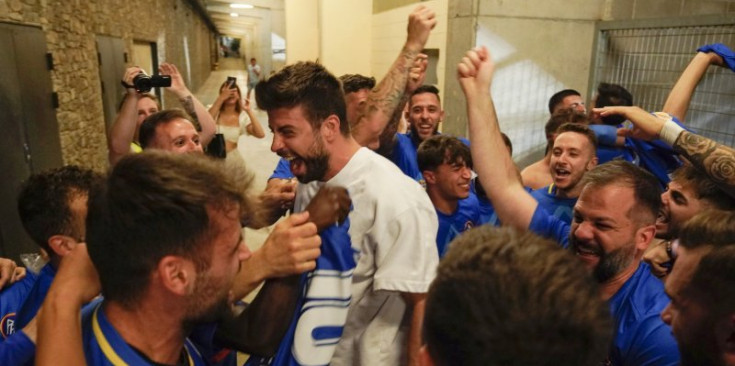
point(648, 60)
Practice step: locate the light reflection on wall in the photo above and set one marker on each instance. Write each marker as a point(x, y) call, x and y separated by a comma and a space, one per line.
point(521, 90)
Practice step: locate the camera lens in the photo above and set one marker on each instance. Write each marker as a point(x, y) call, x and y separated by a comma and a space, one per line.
point(142, 83)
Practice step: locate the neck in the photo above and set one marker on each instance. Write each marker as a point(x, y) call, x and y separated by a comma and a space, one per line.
point(610, 287)
point(342, 150)
point(151, 328)
point(442, 204)
point(571, 192)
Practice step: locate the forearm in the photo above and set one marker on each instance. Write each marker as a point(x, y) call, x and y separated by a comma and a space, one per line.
point(384, 99)
point(492, 163)
point(414, 334)
point(715, 160)
point(255, 128)
point(215, 108)
point(60, 314)
point(202, 119)
point(680, 96)
point(252, 273)
point(259, 329)
point(123, 128)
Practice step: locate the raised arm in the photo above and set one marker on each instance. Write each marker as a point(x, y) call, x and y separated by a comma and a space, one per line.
point(202, 119)
point(255, 128)
point(122, 131)
point(680, 96)
point(714, 159)
point(75, 283)
point(492, 162)
point(386, 96)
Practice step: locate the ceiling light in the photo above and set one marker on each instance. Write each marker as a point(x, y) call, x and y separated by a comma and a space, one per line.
point(241, 6)
point(234, 15)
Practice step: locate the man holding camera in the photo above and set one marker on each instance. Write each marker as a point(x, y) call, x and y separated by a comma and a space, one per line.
point(139, 104)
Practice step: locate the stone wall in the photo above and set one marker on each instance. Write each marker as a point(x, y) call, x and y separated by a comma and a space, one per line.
point(71, 27)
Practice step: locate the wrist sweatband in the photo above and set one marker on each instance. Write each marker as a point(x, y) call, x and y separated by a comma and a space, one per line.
point(670, 132)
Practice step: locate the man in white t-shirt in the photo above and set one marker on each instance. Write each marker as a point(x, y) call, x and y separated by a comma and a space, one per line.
point(363, 304)
point(253, 75)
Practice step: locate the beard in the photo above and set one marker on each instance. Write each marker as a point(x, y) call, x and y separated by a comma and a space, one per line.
point(316, 163)
point(208, 303)
point(613, 263)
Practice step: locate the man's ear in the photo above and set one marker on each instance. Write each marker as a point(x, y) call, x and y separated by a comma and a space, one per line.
point(61, 245)
point(592, 163)
point(643, 237)
point(177, 274)
point(429, 176)
point(424, 357)
point(330, 128)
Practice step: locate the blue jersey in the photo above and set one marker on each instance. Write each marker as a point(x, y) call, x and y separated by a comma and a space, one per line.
point(641, 337)
point(103, 345)
point(11, 300)
point(322, 307)
point(17, 349)
point(655, 156)
point(561, 208)
point(36, 296)
point(465, 217)
point(283, 170)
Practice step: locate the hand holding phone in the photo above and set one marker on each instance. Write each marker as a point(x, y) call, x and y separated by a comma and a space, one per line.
point(231, 80)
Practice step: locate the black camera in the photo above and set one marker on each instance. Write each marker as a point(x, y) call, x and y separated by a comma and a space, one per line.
point(144, 83)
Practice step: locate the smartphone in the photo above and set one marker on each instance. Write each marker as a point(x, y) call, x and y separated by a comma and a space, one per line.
point(231, 80)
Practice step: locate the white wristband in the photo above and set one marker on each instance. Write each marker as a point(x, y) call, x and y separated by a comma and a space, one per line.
point(670, 132)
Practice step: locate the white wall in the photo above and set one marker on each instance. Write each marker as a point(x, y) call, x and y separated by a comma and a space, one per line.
point(302, 30)
point(389, 35)
point(346, 36)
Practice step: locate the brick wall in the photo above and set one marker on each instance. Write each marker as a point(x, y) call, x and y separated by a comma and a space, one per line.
point(71, 27)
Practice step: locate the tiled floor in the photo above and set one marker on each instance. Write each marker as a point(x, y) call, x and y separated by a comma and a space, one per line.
point(255, 152)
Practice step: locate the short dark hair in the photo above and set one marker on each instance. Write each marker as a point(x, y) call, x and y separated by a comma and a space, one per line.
point(582, 130)
point(356, 82)
point(147, 132)
point(43, 203)
point(646, 190)
point(440, 149)
point(309, 85)
point(506, 297)
point(612, 95)
point(703, 187)
point(567, 115)
point(559, 96)
point(425, 89)
point(155, 204)
point(714, 278)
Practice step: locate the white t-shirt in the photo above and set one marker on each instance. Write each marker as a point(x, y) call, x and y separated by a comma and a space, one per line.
point(393, 229)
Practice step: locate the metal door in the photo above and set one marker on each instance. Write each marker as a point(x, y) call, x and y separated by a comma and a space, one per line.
point(28, 124)
point(112, 58)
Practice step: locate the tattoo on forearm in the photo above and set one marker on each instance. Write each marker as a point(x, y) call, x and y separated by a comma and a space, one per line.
point(387, 94)
point(188, 104)
point(716, 160)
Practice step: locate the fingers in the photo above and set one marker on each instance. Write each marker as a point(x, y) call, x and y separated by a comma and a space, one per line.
point(297, 219)
point(18, 274)
point(7, 268)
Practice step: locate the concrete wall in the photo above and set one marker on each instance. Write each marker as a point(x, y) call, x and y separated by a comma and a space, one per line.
point(71, 28)
point(540, 47)
point(389, 35)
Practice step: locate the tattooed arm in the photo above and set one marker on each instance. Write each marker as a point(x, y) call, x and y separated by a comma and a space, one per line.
point(386, 96)
point(203, 121)
point(714, 159)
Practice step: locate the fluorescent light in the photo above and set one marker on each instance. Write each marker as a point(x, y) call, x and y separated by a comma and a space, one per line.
point(241, 6)
point(234, 15)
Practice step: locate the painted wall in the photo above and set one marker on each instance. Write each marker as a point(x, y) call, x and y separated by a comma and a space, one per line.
point(302, 30)
point(346, 36)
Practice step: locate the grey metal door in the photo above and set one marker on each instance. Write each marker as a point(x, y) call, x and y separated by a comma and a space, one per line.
point(112, 58)
point(28, 124)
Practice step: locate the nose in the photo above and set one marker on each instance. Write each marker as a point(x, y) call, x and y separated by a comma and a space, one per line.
point(665, 198)
point(666, 315)
point(584, 231)
point(466, 173)
point(277, 143)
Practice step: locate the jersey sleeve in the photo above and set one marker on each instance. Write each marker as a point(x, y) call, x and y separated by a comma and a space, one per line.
point(548, 226)
point(282, 171)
